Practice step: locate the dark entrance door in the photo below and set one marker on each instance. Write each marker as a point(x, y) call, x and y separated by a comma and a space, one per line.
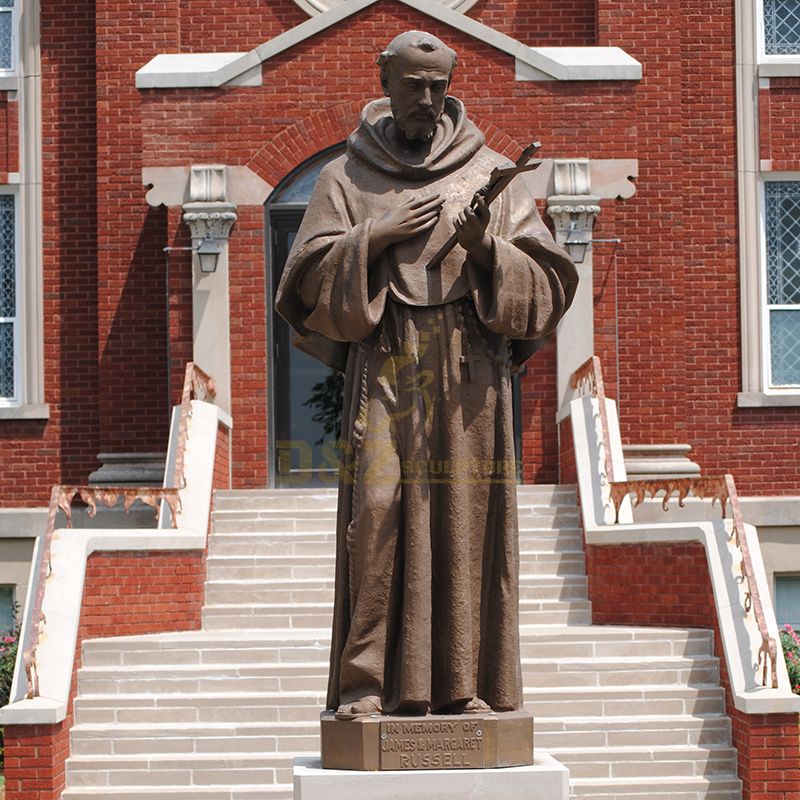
point(306, 395)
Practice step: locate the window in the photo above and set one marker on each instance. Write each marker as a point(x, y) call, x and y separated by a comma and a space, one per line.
point(782, 217)
point(9, 315)
point(781, 27)
point(787, 600)
point(8, 613)
point(7, 35)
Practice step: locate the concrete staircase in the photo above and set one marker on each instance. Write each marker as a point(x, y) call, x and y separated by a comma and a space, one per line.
point(219, 714)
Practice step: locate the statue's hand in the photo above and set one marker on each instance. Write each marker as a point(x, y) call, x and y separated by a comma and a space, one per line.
point(471, 225)
point(404, 221)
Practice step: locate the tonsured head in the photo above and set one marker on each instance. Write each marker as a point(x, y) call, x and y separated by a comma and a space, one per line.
point(416, 69)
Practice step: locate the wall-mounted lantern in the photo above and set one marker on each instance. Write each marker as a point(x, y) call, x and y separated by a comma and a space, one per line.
point(208, 252)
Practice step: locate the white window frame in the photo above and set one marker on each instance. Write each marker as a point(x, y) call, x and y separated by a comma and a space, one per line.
point(14, 12)
point(771, 65)
point(27, 186)
point(6, 402)
point(775, 579)
point(766, 338)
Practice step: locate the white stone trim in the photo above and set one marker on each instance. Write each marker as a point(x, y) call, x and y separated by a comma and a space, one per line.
point(774, 399)
point(27, 186)
point(196, 70)
point(545, 779)
point(771, 65)
point(170, 186)
point(16, 320)
point(15, 40)
point(740, 637)
point(70, 551)
point(779, 69)
point(314, 7)
point(748, 170)
point(25, 411)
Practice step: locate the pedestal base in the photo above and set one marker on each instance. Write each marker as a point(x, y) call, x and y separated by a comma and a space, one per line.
point(441, 742)
point(545, 779)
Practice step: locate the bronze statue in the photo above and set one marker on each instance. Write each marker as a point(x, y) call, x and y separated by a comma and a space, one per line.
point(426, 611)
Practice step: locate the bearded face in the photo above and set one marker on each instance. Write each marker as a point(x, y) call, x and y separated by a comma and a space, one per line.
point(416, 83)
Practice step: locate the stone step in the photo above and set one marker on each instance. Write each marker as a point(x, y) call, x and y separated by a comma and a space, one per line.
point(716, 787)
point(624, 701)
point(667, 730)
point(570, 733)
point(299, 706)
point(190, 769)
point(323, 542)
point(302, 676)
point(272, 525)
point(282, 791)
point(246, 616)
point(532, 587)
point(120, 739)
point(646, 761)
point(289, 567)
point(207, 769)
point(198, 678)
point(207, 707)
point(194, 647)
point(245, 499)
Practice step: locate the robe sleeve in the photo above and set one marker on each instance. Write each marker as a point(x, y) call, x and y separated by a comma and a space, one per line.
point(531, 282)
point(325, 289)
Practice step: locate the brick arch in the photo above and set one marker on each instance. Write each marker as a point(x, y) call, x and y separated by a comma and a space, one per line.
point(307, 137)
point(497, 138)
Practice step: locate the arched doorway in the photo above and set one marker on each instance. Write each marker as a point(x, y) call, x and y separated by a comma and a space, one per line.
point(304, 395)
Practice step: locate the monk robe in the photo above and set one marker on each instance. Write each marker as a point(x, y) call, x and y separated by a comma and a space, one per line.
point(427, 561)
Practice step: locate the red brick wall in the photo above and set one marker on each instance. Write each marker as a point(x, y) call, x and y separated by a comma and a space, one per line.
point(222, 459)
point(666, 298)
point(248, 306)
point(567, 469)
point(669, 585)
point(63, 449)
point(124, 593)
point(9, 136)
point(541, 24)
point(780, 123)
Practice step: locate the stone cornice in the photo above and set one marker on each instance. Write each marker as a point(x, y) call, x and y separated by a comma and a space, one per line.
point(204, 70)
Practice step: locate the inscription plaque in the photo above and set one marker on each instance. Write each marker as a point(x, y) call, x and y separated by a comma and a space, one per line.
point(432, 744)
point(437, 741)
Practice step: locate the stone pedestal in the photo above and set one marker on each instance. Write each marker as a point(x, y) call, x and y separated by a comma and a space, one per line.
point(436, 741)
point(545, 779)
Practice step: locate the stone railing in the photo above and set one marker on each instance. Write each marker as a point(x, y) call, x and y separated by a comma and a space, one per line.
point(197, 385)
point(588, 380)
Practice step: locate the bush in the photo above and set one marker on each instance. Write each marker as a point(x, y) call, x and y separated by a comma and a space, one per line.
point(8, 657)
point(791, 652)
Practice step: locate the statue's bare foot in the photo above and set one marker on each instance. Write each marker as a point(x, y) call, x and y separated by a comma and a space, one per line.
point(359, 708)
point(473, 706)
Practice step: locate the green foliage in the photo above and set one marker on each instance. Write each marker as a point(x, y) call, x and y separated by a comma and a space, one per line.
point(8, 658)
point(326, 398)
point(791, 652)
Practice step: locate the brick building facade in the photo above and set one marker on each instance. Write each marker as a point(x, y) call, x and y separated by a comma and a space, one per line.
point(128, 126)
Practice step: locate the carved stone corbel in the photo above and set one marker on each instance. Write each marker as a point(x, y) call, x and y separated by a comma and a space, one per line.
point(208, 214)
point(572, 207)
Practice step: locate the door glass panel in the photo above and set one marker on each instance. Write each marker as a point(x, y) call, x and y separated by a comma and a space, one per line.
point(307, 395)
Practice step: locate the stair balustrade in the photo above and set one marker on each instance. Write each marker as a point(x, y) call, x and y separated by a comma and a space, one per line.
point(588, 380)
point(197, 385)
